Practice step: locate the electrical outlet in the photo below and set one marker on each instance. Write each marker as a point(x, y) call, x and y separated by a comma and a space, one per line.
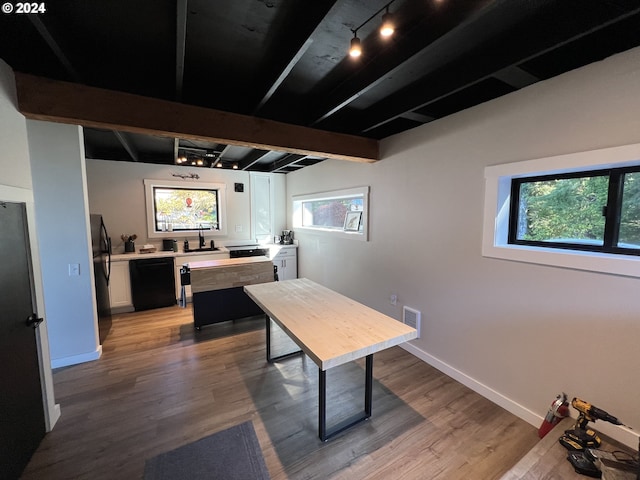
point(393, 299)
point(74, 269)
point(238, 228)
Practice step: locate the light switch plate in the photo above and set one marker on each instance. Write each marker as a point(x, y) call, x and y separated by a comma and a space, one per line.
point(74, 269)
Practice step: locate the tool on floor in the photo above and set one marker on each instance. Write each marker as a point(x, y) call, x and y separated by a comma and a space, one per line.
point(559, 409)
point(583, 464)
point(581, 437)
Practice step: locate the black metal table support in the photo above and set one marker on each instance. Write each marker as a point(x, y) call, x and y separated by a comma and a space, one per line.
point(271, 359)
point(325, 434)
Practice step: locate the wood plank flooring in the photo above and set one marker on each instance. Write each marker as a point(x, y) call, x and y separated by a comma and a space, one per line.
point(159, 385)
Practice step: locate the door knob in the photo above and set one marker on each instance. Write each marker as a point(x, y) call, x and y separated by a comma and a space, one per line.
point(33, 321)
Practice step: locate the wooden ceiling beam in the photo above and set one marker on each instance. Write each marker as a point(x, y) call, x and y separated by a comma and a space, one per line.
point(63, 102)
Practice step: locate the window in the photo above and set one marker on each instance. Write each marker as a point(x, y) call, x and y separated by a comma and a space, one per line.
point(590, 248)
point(594, 211)
point(176, 208)
point(328, 211)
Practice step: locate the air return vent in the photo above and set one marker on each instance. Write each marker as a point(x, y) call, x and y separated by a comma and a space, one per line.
point(411, 317)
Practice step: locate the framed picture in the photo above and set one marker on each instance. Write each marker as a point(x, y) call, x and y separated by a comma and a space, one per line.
point(352, 221)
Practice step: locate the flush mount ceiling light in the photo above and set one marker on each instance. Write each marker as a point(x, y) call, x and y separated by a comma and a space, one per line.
point(386, 29)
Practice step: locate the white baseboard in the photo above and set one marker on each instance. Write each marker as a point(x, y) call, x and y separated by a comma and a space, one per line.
point(53, 417)
point(621, 434)
point(76, 359)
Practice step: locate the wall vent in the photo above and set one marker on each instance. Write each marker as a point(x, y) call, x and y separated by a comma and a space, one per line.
point(411, 317)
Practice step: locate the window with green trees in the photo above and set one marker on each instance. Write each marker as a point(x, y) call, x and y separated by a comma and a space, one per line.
point(180, 209)
point(595, 211)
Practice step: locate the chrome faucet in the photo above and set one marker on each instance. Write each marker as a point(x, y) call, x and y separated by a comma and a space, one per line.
point(201, 237)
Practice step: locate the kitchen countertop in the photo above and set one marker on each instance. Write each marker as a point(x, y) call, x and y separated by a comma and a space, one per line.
point(125, 257)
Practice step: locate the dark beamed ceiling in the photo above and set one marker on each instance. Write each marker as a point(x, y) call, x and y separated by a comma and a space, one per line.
point(287, 60)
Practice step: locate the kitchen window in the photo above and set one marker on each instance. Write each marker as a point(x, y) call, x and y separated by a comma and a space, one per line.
point(175, 208)
point(549, 211)
point(596, 211)
point(339, 212)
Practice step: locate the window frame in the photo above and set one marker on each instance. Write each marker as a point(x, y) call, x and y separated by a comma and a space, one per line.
point(150, 185)
point(612, 210)
point(362, 192)
point(497, 196)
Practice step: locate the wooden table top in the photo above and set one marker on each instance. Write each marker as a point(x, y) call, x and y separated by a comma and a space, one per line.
point(330, 328)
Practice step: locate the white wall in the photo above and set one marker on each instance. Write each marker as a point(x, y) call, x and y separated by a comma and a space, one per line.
point(116, 190)
point(16, 186)
point(58, 170)
point(518, 333)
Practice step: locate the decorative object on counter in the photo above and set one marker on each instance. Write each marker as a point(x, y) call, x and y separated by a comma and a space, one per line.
point(147, 248)
point(129, 245)
point(352, 221)
point(167, 245)
point(287, 237)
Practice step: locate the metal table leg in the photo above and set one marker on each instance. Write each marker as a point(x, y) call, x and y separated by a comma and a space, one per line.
point(325, 434)
point(271, 359)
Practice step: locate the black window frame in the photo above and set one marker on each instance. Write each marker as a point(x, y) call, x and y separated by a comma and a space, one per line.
point(611, 211)
point(216, 191)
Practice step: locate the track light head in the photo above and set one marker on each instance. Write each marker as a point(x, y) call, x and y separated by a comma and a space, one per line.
point(388, 26)
point(356, 49)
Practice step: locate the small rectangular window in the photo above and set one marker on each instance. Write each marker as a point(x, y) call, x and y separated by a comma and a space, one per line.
point(330, 213)
point(339, 213)
point(580, 211)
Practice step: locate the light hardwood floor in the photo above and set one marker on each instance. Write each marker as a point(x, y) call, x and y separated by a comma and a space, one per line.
point(160, 385)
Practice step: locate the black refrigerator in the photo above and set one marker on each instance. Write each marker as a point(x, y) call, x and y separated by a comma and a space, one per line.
point(101, 248)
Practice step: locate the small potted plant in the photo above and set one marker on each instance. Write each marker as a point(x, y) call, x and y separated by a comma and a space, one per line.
point(129, 245)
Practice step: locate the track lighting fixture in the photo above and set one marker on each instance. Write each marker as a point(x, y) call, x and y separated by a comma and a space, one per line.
point(386, 29)
point(356, 49)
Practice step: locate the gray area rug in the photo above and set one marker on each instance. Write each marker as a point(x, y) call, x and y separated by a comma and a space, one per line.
point(230, 454)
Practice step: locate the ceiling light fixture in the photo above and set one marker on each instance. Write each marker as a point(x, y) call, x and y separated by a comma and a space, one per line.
point(356, 49)
point(386, 29)
point(388, 26)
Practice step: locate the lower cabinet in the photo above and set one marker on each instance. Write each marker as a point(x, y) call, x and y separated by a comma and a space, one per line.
point(286, 259)
point(120, 287)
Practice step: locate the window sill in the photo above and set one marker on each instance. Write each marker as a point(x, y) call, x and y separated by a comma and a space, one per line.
point(626, 265)
point(330, 232)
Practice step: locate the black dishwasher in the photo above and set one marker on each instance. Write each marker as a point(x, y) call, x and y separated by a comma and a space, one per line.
point(152, 283)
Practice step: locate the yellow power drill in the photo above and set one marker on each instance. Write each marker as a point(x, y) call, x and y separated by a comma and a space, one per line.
point(581, 437)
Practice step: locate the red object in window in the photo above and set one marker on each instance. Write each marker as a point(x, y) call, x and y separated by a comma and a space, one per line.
point(189, 202)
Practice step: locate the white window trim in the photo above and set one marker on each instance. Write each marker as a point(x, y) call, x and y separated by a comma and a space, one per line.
point(335, 233)
point(149, 184)
point(497, 202)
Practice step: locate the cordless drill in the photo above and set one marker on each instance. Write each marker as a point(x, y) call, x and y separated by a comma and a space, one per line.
point(581, 437)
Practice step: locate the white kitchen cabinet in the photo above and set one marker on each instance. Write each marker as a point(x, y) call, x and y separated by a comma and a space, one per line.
point(285, 257)
point(120, 287)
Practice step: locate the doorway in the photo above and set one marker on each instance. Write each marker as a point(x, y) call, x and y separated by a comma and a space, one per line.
point(21, 402)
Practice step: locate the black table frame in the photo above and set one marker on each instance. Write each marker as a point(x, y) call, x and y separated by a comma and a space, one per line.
point(323, 433)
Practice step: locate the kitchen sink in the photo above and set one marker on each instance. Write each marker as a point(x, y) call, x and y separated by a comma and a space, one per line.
point(202, 249)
